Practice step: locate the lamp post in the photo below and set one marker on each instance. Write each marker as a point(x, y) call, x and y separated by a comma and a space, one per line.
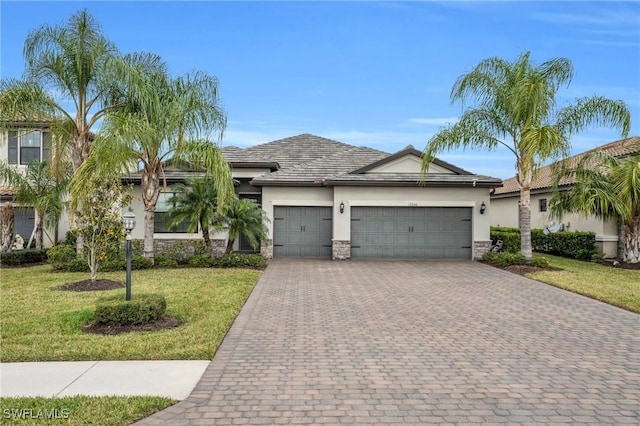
point(129, 222)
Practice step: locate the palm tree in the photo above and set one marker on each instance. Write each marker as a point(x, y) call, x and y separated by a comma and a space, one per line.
point(246, 217)
point(37, 188)
point(516, 108)
point(195, 203)
point(605, 187)
point(72, 63)
point(163, 118)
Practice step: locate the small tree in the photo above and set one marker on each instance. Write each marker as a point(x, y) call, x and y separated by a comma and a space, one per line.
point(195, 203)
point(38, 188)
point(605, 187)
point(99, 220)
point(246, 217)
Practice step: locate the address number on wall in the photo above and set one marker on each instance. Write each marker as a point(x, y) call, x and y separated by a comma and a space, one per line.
point(413, 204)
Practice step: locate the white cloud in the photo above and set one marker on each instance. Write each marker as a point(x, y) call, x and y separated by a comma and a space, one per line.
point(434, 121)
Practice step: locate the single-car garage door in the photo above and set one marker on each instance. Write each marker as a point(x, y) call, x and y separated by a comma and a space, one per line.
point(302, 232)
point(411, 232)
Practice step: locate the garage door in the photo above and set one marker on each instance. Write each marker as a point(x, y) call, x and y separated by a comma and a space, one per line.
point(411, 232)
point(302, 232)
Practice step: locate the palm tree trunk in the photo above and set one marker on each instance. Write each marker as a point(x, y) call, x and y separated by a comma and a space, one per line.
point(525, 223)
point(39, 235)
point(207, 238)
point(229, 248)
point(150, 193)
point(7, 219)
point(632, 241)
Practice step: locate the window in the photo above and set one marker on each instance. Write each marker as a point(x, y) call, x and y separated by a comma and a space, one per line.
point(543, 204)
point(162, 219)
point(25, 146)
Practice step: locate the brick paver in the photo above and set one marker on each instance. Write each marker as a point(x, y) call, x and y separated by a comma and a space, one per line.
point(322, 342)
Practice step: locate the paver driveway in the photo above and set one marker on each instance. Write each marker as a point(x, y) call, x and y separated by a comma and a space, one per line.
point(417, 342)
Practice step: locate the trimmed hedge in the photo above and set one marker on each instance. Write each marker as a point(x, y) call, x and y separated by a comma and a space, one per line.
point(233, 260)
point(577, 245)
point(510, 238)
point(22, 257)
point(141, 309)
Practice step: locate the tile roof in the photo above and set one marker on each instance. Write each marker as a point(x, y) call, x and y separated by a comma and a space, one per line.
point(545, 176)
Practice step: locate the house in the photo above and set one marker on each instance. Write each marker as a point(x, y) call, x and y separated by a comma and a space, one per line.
point(327, 199)
point(505, 200)
point(21, 143)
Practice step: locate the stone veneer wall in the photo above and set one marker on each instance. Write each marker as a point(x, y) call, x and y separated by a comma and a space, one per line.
point(219, 247)
point(480, 248)
point(266, 249)
point(340, 249)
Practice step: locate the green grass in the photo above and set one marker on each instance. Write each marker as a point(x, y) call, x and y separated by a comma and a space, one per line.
point(80, 410)
point(40, 323)
point(618, 287)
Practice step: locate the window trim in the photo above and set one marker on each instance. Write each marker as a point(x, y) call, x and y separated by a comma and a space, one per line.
point(14, 143)
point(180, 229)
point(543, 205)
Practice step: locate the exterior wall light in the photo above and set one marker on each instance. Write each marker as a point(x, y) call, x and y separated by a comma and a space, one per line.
point(341, 206)
point(483, 208)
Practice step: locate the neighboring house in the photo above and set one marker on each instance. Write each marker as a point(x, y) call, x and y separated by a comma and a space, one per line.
point(505, 200)
point(18, 146)
point(327, 199)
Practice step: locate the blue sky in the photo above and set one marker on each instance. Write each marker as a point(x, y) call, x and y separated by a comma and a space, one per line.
point(366, 73)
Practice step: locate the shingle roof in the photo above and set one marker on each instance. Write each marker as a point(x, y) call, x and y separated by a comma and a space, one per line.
point(312, 160)
point(288, 151)
point(545, 176)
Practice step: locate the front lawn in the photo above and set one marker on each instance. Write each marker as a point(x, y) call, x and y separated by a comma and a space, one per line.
point(618, 287)
point(80, 410)
point(38, 322)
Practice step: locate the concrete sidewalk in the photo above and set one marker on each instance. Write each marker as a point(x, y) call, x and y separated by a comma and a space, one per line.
point(174, 379)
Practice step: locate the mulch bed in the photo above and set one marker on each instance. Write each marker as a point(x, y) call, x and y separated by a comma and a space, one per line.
point(163, 323)
point(88, 285)
point(622, 265)
point(522, 269)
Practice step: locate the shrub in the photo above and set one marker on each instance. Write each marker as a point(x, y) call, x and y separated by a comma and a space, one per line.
point(202, 261)
point(112, 265)
point(490, 257)
point(240, 260)
point(70, 239)
point(60, 255)
point(77, 265)
point(139, 262)
point(510, 238)
point(508, 259)
point(141, 309)
point(22, 257)
point(165, 262)
point(577, 245)
point(540, 262)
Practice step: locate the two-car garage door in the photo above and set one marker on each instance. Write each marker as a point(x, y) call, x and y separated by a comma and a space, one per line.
point(411, 233)
point(376, 232)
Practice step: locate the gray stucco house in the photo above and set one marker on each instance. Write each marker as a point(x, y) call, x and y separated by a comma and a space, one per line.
point(327, 199)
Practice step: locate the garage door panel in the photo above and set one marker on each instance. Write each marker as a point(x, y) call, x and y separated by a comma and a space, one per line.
point(302, 232)
point(411, 232)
